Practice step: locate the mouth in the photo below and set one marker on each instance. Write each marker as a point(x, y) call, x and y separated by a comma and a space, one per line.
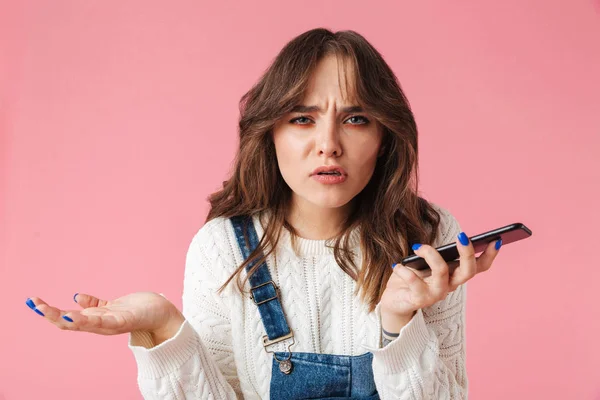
point(335, 173)
point(330, 170)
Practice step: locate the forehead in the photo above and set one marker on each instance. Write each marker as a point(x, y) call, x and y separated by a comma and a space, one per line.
point(332, 79)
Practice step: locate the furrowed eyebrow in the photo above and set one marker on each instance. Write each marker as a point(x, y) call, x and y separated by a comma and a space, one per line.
point(308, 109)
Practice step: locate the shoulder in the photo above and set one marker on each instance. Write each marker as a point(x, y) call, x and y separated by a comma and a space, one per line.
point(448, 228)
point(213, 247)
point(213, 230)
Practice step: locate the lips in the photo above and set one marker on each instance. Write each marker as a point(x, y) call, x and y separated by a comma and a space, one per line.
point(329, 170)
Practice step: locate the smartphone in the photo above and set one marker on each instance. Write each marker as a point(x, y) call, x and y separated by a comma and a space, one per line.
point(449, 252)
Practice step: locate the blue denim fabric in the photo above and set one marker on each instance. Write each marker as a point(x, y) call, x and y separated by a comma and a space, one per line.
point(324, 376)
point(271, 312)
point(314, 375)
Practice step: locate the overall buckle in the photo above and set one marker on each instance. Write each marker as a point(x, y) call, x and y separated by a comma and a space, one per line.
point(285, 365)
point(269, 299)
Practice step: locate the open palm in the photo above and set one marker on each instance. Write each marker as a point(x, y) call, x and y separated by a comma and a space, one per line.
point(137, 311)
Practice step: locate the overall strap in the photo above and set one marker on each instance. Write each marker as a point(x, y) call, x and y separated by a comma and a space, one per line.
point(264, 292)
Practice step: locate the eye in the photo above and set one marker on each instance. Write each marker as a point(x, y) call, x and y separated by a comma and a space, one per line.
point(296, 119)
point(359, 116)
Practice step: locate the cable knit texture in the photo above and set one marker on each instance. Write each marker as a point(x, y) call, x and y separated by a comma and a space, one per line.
point(218, 353)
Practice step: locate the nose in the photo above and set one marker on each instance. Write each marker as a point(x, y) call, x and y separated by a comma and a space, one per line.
point(328, 140)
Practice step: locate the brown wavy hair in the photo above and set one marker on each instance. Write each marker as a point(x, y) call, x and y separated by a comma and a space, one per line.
point(388, 210)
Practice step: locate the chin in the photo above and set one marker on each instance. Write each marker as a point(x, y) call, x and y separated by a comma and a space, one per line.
point(328, 201)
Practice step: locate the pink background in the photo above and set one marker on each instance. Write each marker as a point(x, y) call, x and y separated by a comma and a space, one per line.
point(117, 119)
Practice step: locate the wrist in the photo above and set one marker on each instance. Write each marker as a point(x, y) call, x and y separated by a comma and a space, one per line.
point(169, 328)
point(392, 324)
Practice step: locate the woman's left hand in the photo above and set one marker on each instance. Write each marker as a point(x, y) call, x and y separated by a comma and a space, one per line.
point(408, 290)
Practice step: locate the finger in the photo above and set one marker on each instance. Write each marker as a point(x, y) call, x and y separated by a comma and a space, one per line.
point(50, 313)
point(467, 267)
point(73, 320)
point(421, 273)
point(424, 274)
point(101, 322)
point(31, 303)
point(418, 287)
point(486, 259)
point(452, 267)
point(86, 300)
point(440, 276)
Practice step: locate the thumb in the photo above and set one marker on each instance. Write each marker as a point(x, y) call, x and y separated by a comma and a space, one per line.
point(86, 300)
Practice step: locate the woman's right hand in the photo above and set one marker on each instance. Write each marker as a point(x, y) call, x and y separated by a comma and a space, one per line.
point(141, 311)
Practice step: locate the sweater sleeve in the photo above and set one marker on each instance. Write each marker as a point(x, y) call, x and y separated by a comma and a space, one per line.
point(428, 359)
point(196, 363)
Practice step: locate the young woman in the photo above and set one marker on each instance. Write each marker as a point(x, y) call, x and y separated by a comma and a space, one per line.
point(292, 288)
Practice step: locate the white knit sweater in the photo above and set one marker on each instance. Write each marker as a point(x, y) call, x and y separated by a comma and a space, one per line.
point(218, 352)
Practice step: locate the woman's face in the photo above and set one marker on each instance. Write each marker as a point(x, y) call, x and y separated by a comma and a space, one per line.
point(331, 136)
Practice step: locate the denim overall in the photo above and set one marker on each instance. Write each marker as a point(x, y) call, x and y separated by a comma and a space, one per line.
point(300, 375)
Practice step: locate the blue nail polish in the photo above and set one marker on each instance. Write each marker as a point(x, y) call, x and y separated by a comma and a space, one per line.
point(30, 304)
point(464, 240)
point(393, 265)
point(498, 244)
point(38, 311)
point(67, 318)
point(416, 246)
point(75, 297)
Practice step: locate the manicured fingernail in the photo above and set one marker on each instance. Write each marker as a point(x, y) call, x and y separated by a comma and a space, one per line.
point(464, 240)
point(75, 297)
point(393, 265)
point(67, 318)
point(30, 304)
point(38, 311)
point(416, 246)
point(498, 244)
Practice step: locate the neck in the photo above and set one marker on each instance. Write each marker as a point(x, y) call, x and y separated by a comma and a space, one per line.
point(316, 223)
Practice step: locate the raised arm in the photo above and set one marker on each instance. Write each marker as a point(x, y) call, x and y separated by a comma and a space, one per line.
point(426, 359)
